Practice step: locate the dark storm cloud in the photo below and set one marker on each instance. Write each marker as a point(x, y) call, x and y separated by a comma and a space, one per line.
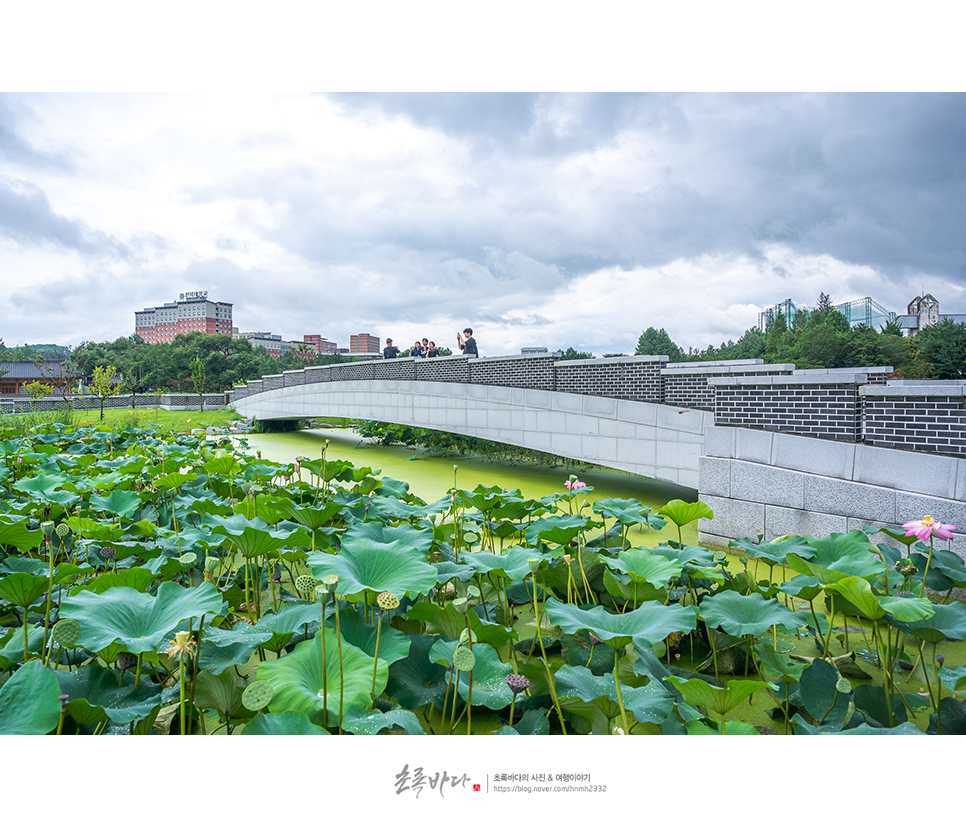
point(878, 179)
point(27, 217)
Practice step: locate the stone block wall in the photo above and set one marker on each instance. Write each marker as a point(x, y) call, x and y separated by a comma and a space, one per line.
point(927, 417)
point(826, 407)
point(351, 370)
point(622, 377)
point(535, 372)
point(686, 384)
point(444, 369)
point(293, 378)
point(394, 369)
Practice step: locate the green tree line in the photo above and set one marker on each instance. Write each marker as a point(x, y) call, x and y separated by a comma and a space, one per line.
point(822, 338)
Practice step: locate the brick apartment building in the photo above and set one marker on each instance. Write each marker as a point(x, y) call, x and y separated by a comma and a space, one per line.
point(364, 343)
point(321, 345)
point(191, 312)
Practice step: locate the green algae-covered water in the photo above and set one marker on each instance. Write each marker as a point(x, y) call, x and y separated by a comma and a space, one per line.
point(430, 476)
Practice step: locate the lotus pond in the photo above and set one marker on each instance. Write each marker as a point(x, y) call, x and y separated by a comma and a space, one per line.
point(162, 583)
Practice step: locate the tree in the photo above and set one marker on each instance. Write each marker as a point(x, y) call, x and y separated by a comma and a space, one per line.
point(658, 343)
point(570, 354)
point(36, 390)
point(943, 346)
point(104, 384)
point(198, 378)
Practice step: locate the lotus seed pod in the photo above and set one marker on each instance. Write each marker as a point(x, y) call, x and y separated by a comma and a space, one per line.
point(534, 565)
point(126, 660)
point(188, 559)
point(388, 601)
point(45, 512)
point(305, 584)
point(108, 553)
point(843, 685)
point(461, 604)
point(941, 659)
point(257, 696)
point(463, 659)
point(66, 633)
point(211, 563)
point(331, 582)
point(47, 528)
point(517, 683)
point(62, 530)
point(465, 636)
point(277, 576)
point(473, 592)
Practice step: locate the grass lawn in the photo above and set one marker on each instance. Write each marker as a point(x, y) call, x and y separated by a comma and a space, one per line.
point(119, 418)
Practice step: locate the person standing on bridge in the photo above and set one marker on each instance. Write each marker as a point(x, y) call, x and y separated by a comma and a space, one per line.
point(469, 343)
point(390, 351)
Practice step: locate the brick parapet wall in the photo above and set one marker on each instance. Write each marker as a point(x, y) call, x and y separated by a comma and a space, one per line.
point(535, 372)
point(293, 378)
point(827, 408)
point(625, 377)
point(351, 370)
point(444, 369)
point(920, 418)
point(402, 368)
point(687, 384)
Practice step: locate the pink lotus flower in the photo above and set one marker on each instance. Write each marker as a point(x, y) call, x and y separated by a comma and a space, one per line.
point(929, 527)
point(574, 484)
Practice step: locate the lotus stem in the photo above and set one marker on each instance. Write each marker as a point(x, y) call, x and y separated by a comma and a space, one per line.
point(512, 705)
point(546, 663)
point(620, 698)
point(338, 637)
point(325, 666)
point(925, 572)
point(375, 659)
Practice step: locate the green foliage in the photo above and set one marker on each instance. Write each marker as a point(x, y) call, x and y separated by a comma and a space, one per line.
point(657, 343)
point(570, 354)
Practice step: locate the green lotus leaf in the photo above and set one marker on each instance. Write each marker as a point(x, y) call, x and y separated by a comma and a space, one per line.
point(253, 537)
point(533, 722)
point(490, 688)
point(314, 517)
point(364, 564)
point(842, 554)
point(802, 587)
point(18, 536)
point(94, 696)
point(683, 513)
point(139, 621)
point(221, 693)
point(650, 623)
point(651, 703)
point(953, 677)
point(22, 589)
point(775, 663)
point(369, 722)
point(222, 648)
point(642, 563)
point(731, 728)
point(404, 537)
point(282, 724)
point(297, 679)
point(776, 553)
point(858, 592)
point(820, 695)
point(138, 578)
point(119, 502)
point(415, 680)
point(696, 561)
point(628, 512)
point(47, 488)
point(21, 564)
point(719, 700)
point(393, 644)
point(946, 569)
point(30, 701)
point(510, 565)
point(743, 615)
point(450, 622)
point(173, 480)
point(947, 622)
point(557, 529)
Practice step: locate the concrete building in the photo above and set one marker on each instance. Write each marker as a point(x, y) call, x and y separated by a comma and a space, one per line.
point(922, 312)
point(272, 342)
point(192, 312)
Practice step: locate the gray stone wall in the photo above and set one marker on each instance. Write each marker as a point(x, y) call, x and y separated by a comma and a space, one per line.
point(293, 378)
point(394, 369)
point(918, 417)
point(686, 384)
point(534, 372)
point(825, 407)
point(351, 370)
point(624, 377)
point(444, 369)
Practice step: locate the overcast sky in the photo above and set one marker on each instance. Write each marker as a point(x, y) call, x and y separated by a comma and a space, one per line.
point(538, 219)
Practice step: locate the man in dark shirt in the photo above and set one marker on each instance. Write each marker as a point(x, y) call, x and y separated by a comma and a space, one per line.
point(469, 343)
point(390, 351)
